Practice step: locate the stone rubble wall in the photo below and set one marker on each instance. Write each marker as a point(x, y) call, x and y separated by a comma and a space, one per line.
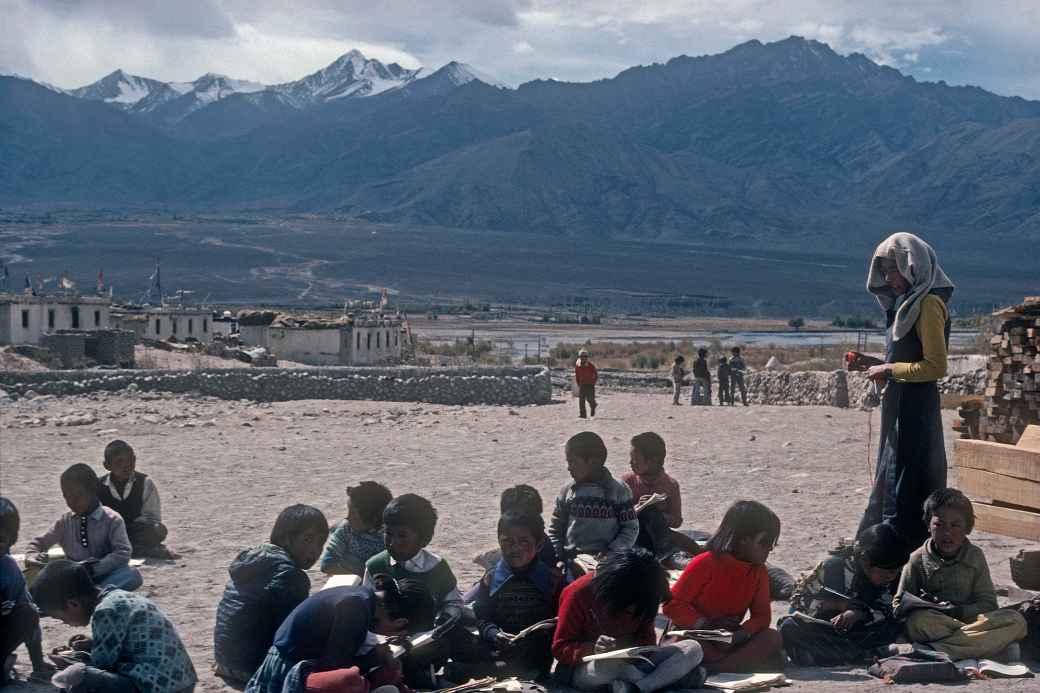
point(832, 388)
point(477, 385)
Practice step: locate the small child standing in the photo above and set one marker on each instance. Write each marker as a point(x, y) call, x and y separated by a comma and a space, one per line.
point(134, 647)
point(593, 513)
point(19, 620)
point(678, 375)
point(949, 568)
point(585, 376)
point(360, 536)
point(657, 522)
point(720, 585)
point(737, 369)
point(266, 583)
point(701, 391)
point(723, 374)
point(867, 575)
point(519, 591)
point(613, 609)
point(90, 533)
point(133, 495)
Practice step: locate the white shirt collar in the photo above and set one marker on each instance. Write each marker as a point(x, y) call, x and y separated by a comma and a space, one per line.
point(422, 562)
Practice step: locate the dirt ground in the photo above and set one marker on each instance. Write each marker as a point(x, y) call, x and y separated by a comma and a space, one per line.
point(225, 469)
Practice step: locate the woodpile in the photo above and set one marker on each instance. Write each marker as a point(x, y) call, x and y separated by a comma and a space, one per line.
point(1003, 482)
point(1013, 386)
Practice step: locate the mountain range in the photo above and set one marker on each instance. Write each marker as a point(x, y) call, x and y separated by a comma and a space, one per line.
point(784, 141)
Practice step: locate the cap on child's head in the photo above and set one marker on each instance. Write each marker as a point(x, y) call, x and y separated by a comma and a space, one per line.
point(950, 498)
point(587, 446)
point(117, 447)
point(295, 520)
point(59, 581)
point(413, 512)
point(369, 499)
point(10, 521)
point(882, 547)
point(521, 498)
point(80, 475)
point(650, 445)
point(534, 523)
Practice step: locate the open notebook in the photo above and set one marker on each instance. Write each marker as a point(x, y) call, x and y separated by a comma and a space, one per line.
point(745, 682)
point(994, 670)
point(56, 552)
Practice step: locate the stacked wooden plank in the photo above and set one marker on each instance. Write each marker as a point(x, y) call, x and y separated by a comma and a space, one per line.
point(1013, 382)
point(1003, 482)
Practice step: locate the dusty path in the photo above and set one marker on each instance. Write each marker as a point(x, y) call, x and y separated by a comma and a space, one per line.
point(225, 469)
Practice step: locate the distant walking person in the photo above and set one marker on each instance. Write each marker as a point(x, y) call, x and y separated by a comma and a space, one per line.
point(906, 278)
point(585, 375)
point(678, 373)
point(737, 368)
point(723, 373)
point(701, 393)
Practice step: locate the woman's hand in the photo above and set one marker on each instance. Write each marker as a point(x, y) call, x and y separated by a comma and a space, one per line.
point(879, 373)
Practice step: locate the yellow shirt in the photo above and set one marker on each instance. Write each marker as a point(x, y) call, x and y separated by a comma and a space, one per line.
point(931, 330)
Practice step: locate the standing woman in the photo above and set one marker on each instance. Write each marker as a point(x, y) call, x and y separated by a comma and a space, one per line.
point(906, 278)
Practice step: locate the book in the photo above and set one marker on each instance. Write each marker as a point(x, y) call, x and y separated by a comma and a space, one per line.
point(909, 602)
point(744, 682)
point(652, 499)
point(547, 624)
point(633, 654)
point(987, 668)
point(400, 646)
point(586, 562)
point(341, 581)
point(806, 618)
point(712, 635)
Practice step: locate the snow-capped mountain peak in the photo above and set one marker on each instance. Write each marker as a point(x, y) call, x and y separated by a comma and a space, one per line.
point(350, 75)
point(119, 89)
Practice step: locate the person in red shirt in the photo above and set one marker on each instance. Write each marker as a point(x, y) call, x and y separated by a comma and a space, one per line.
point(585, 375)
point(720, 585)
point(614, 609)
point(657, 522)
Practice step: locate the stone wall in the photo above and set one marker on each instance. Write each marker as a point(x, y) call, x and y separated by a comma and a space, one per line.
point(112, 347)
point(68, 348)
point(512, 386)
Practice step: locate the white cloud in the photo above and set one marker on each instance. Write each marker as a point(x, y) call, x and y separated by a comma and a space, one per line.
point(71, 42)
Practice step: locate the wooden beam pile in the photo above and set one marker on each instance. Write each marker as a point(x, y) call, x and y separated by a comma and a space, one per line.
point(1003, 482)
point(1013, 383)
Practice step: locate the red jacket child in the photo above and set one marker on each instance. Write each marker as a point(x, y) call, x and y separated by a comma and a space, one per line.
point(585, 373)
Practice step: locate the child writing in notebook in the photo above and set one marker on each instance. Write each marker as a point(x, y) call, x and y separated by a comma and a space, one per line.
point(720, 585)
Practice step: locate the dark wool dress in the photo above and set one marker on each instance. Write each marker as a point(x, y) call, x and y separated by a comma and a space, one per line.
point(911, 456)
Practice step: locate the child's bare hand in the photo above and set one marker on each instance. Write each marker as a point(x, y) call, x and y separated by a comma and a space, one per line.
point(844, 621)
point(605, 643)
point(503, 640)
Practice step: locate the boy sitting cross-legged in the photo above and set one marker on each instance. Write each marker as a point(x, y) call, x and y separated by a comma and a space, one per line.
point(134, 647)
point(133, 495)
point(858, 625)
point(950, 569)
point(90, 533)
point(593, 513)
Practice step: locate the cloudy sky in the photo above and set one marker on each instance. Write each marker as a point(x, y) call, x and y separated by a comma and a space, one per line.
point(991, 43)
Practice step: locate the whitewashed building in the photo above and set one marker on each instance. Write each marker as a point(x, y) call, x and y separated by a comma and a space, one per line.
point(25, 318)
point(369, 340)
point(162, 323)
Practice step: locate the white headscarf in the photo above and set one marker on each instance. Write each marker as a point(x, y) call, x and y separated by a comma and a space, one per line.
point(916, 261)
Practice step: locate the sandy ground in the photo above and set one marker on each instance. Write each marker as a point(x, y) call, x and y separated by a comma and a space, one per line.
point(225, 469)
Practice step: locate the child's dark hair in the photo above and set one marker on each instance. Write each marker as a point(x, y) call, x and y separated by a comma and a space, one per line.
point(116, 447)
point(680, 359)
point(59, 581)
point(408, 599)
point(587, 446)
point(651, 446)
point(744, 520)
point(81, 476)
point(882, 547)
point(702, 353)
point(10, 520)
point(414, 512)
point(521, 498)
point(528, 521)
point(722, 359)
point(295, 520)
point(632, 579)
point(370, 499)
point(735, 351)
point(949, 498)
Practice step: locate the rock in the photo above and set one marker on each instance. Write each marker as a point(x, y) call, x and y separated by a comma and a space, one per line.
point(752, 437)
point(787, 444)
point(247, 424)
point(773, 364)
point(150, 419)
point(108, 431)
point(209, 423)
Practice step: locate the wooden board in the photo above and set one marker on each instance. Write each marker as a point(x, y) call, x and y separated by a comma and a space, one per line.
point(1030, 439)
point(1010, 523)
point(980, 484)
point(998, 458)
